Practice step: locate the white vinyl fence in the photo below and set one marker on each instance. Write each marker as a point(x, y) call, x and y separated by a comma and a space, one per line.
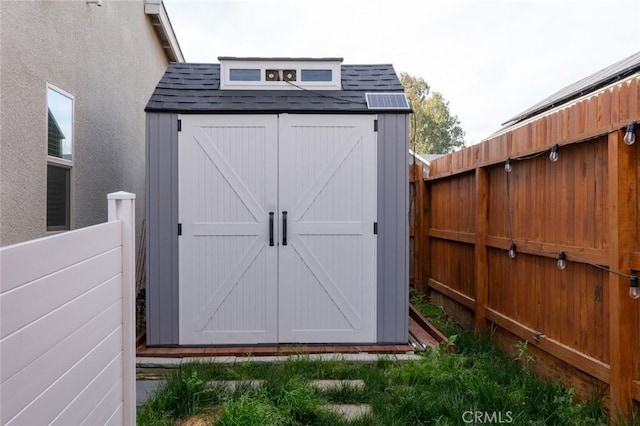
point(67, 325)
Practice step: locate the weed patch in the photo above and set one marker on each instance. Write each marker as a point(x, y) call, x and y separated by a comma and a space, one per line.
point(440, 388)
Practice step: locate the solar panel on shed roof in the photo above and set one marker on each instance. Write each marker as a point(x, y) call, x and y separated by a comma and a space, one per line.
point(387, 101)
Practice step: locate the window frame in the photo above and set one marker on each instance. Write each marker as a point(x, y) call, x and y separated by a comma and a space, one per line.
point(60, 162)
point(280, 65)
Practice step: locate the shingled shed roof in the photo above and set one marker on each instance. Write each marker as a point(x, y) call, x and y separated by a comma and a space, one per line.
point(195, 88)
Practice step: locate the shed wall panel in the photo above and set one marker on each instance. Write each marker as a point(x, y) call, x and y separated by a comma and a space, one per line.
point(393, 228)
point(162, 238)
point(162, 223)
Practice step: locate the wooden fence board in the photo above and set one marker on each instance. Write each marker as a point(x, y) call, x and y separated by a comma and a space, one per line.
point(459, 297)
point(481, 259)
point(615, 105)
point(607, 96)
point(624, 102)
point(633, 98)
point(623, 222)
point(587, 364)
point(565, 124)
point(420, 258)
point(587, 322)
point(593, 113)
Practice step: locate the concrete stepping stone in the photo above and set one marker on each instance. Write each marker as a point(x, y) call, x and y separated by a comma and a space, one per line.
point(327, 385)
point(232, 385)
point(144, 390)
point(349, 412)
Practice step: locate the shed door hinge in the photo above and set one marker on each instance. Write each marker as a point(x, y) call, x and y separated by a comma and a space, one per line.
point(179, 125)
point(375, 228)
point(179, 229)
point(375, 125)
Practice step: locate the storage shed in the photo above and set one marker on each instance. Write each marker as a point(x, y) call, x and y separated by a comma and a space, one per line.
point(277, 203)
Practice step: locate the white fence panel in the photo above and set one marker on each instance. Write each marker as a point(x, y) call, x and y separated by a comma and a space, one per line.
point(67, 325)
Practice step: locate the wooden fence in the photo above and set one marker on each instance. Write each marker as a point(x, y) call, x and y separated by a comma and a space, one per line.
point(67, 351)
point(579, 322)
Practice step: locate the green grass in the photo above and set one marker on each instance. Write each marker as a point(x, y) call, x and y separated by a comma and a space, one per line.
point(438, 389)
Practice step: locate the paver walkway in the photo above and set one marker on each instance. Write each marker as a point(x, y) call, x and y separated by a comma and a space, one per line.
point(145, 388)
point(326, 385)
point(349, 412)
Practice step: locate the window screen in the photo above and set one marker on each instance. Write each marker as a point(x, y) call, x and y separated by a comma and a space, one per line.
point(239, 74)
point(316, 75)
point(57, 197)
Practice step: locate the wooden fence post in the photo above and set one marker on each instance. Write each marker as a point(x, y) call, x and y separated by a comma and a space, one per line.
point(425, 241)
point(413, 217)
point(420, 232)
point(121, 206)
point(481, 260)
point(623, 311)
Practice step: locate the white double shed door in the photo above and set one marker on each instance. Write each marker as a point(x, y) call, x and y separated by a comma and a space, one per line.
point(277, 215)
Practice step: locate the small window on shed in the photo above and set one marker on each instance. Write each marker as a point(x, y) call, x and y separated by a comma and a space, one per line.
point(316, 75)
point(240, 74)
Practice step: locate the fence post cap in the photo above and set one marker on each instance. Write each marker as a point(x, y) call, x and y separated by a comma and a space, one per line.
point(121, 195)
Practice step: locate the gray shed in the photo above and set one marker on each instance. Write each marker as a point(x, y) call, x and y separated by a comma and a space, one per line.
point(277, 200)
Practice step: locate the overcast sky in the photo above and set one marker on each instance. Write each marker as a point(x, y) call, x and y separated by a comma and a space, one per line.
point(490, 59)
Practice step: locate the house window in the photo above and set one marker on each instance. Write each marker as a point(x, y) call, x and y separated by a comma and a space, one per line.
point(316, 75)
point(240, 74)
point(59, 158)
point(57, 197)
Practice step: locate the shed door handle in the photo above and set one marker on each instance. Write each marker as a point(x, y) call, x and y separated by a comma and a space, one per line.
point(284, 228)
point(271, 229)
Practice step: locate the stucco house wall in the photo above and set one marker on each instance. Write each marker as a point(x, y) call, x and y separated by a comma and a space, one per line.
point(110, 59)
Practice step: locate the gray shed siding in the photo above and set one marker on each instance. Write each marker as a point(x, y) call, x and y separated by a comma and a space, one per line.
point(162, 238)
point(393, 228)
point(162, 229)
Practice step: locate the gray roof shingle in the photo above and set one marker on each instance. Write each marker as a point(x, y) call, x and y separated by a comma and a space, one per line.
point(195, 88)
